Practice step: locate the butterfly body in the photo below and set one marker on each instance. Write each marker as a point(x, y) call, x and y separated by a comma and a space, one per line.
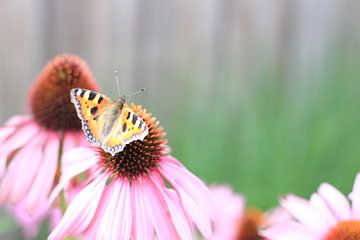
point(106, 123)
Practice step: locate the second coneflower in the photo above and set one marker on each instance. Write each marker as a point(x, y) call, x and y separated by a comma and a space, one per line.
point(138, 193)
point(236, 222)
point(327, 215)
point(31, 146)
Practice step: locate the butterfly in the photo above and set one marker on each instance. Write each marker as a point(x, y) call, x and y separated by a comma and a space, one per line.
point(106, 123)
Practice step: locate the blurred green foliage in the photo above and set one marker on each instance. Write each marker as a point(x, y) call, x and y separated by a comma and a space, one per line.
point(276, 139)
point(8, 227)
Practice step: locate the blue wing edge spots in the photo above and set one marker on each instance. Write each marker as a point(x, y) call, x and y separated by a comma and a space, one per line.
point(120, 147)
point(85, 126)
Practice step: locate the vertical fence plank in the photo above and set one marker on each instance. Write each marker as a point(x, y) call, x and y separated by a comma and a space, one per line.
point(21, 49)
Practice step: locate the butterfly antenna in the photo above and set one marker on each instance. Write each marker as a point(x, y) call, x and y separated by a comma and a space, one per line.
point(139, 91)
point(117, 83)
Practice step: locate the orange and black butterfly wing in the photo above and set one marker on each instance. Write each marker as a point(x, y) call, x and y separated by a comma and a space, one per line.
point(133, 127)
point(127, 128)
point(90, 107)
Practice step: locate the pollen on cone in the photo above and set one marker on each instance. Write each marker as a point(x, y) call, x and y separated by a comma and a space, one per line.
point(249, 225)
point(49, 96)
point(345, 230)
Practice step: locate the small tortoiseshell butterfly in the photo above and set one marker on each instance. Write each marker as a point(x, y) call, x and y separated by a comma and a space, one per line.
point(109, 124)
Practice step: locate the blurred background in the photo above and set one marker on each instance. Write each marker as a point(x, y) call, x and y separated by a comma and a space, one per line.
point(262, 95)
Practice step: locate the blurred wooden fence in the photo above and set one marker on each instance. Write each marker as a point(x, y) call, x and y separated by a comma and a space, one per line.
point(157, 43)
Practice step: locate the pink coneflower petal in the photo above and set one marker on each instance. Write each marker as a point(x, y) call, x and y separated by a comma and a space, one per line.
point(55, 216)
point(289, 231)
point(20, 185)
point(11, 126)
point(178, 216)
point(323, 208)
point(122, 216)
point(15, 141)
point(181, 221)
point(74, 139)
point(337, 202)
point(355, 198)
point(142, 226)
point(44, 179)
point(276, 215)
point(20, 137)
point(304, 212)
point(15, 121)
point(230, 209)
point(70, 142)
point(193, 193)
point(81, 211)
point(5, 132)
point(74, 163)
point(13, 186)
point(29, 223)
point(113, 217)
point(157, 210)
point(99, 227)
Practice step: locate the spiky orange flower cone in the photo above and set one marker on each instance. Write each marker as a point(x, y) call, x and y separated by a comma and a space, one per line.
point(31, 146)
point(138, 193)
point(49, 96)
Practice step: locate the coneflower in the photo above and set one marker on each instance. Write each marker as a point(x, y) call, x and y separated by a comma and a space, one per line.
point(234, 221)
point(31, 146)
point(138, 193)
point(328, 215)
